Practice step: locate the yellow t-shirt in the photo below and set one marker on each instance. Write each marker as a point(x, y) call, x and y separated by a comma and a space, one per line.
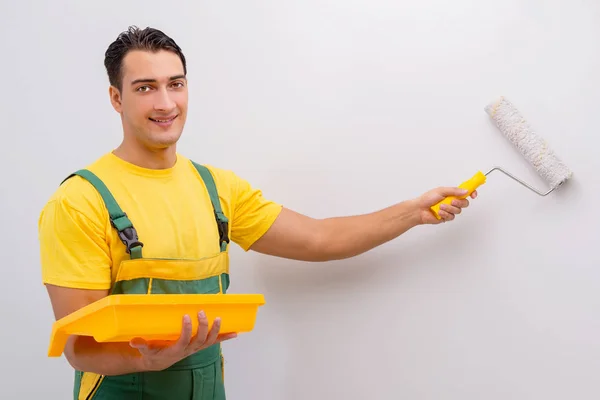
point(170, 209)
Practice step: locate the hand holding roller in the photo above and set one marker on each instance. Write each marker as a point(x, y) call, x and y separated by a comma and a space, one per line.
point(470, 185)
point(534, 149)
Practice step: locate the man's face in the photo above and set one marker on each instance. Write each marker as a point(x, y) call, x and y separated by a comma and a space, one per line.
point(154, 98)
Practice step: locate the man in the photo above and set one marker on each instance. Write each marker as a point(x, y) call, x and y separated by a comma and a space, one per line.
point(145, 219)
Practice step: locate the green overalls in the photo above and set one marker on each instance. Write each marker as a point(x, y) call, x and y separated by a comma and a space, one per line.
point(197, 377)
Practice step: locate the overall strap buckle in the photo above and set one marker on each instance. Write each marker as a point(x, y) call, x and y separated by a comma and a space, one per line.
point(118, 219)
point(223, 225)
point(127, 233)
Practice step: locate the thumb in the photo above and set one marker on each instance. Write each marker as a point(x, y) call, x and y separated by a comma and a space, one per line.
point(436, 195)
point(451, 191)
point(138, 343)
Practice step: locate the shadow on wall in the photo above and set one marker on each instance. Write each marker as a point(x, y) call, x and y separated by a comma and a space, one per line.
point(425, 247)
point(317, 310)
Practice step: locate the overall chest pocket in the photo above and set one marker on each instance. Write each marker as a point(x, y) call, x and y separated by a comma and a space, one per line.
point(208, 275)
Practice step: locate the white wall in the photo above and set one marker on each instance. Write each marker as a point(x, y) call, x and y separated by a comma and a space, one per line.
point(372, 102)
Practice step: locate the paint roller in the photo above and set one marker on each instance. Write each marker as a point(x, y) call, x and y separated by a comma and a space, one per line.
point(531, 145)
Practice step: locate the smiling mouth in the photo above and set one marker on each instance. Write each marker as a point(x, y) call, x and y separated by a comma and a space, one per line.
point(163, 120)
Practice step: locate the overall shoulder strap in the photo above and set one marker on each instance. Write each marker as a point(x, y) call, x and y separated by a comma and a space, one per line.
point(222, 221)
point(118, 219)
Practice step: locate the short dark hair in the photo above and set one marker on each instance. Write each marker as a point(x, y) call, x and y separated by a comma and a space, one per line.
point(134, 38)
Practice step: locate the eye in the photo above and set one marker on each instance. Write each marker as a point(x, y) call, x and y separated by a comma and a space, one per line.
point(178, 84)
point(143, 89)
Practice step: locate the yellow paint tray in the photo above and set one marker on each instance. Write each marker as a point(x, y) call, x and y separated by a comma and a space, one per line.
point(120, 318)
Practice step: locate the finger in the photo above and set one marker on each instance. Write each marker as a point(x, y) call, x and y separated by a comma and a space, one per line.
point(460, 203)
point(186, 335)
point(450, 209)
point(214, 332)
point(200, 337)
point(474, 194)
point(446, 216)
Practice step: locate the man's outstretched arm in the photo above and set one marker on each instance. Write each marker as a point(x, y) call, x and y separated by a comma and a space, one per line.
point(300, 237)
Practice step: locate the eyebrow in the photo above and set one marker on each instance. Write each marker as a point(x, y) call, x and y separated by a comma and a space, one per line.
point(149, 80)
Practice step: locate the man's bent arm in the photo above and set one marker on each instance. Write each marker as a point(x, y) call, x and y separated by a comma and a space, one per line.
point(84, 353)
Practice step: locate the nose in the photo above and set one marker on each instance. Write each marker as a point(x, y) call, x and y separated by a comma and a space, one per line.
point(163, 101)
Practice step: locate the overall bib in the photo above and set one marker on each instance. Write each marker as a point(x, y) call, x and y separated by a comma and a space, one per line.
point(197, 377)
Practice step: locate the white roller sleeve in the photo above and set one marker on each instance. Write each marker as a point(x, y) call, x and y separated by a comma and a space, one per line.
point(533, 147)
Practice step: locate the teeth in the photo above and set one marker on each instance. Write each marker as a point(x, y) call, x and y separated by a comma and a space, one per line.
point(162, 120)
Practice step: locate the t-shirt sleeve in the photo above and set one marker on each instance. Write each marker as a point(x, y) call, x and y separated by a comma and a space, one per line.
point(253, 214)
point(73, 248)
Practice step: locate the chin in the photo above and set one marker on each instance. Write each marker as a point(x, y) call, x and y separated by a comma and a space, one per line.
point(164, 143)
point(158, 138)
point(166, 138)
point(159, 141)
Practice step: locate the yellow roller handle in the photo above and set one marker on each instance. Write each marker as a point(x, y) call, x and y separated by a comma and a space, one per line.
point(477, 180)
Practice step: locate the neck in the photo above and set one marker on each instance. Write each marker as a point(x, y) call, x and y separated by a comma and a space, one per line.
point(147, 158)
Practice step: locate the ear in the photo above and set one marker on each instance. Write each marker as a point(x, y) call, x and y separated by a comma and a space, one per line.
point(115, 98)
